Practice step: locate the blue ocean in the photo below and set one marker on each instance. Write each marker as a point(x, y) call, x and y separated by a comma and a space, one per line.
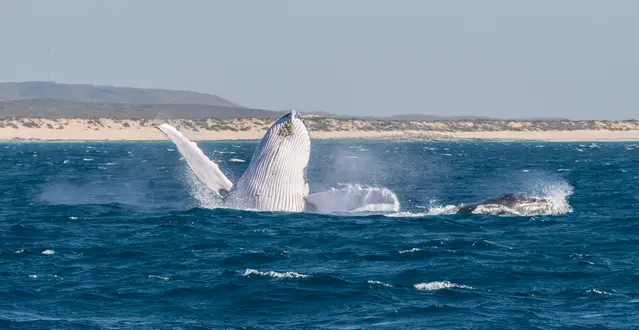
point(121, 236)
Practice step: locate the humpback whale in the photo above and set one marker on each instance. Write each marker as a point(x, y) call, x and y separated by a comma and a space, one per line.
point(509, 200)
point(276, 178)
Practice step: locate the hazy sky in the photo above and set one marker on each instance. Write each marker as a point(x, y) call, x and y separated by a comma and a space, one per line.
point(507, 58)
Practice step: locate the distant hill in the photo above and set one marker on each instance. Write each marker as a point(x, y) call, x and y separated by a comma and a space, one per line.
point(57, 100)
point(57, 109)
point(14, 91)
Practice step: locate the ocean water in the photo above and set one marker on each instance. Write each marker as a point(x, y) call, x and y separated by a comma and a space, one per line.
point(120, 236)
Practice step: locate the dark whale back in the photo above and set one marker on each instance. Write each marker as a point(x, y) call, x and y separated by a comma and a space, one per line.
point(507, 199)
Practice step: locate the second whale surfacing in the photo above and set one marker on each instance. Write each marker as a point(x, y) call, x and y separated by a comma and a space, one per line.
point(276, 178)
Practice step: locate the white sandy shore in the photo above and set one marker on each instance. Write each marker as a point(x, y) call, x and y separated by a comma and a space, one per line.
point(253, 129)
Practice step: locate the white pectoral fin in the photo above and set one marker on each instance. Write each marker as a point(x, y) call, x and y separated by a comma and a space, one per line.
point(204, 169)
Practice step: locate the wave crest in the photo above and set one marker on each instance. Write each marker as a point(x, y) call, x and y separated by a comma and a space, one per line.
point(434, 286)
point(273, 274)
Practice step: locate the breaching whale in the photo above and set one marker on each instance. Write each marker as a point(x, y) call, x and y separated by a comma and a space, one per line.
point(276, 177)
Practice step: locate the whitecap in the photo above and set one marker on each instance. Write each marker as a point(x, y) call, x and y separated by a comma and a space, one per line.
point(434, 286)
point(237, 160)
point(595, 291)
point(33, 276)
point(169, 149)
point(19, 251)
point(87, 159)
point(379, 283)
point(410, 250)
point(273, 274)
point(48, 252)
point(164, 278)
point(66, 161)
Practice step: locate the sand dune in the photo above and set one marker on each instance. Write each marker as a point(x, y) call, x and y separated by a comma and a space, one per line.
point(38, 129)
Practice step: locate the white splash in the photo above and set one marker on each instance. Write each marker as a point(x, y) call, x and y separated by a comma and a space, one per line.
point(407, 215)
point(433, 286)
point(202, 194)
point(550, 199)
point(273, 274)
point(355, 198)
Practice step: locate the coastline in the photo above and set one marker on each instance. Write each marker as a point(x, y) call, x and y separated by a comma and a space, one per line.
point(252, 129)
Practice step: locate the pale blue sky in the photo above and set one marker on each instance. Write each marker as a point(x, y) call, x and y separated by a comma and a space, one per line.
point(497, 58)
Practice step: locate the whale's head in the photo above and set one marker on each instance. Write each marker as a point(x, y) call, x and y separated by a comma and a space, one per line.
point(287, 144)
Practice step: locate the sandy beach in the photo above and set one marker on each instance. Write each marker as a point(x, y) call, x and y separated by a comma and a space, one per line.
point(37, 129)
